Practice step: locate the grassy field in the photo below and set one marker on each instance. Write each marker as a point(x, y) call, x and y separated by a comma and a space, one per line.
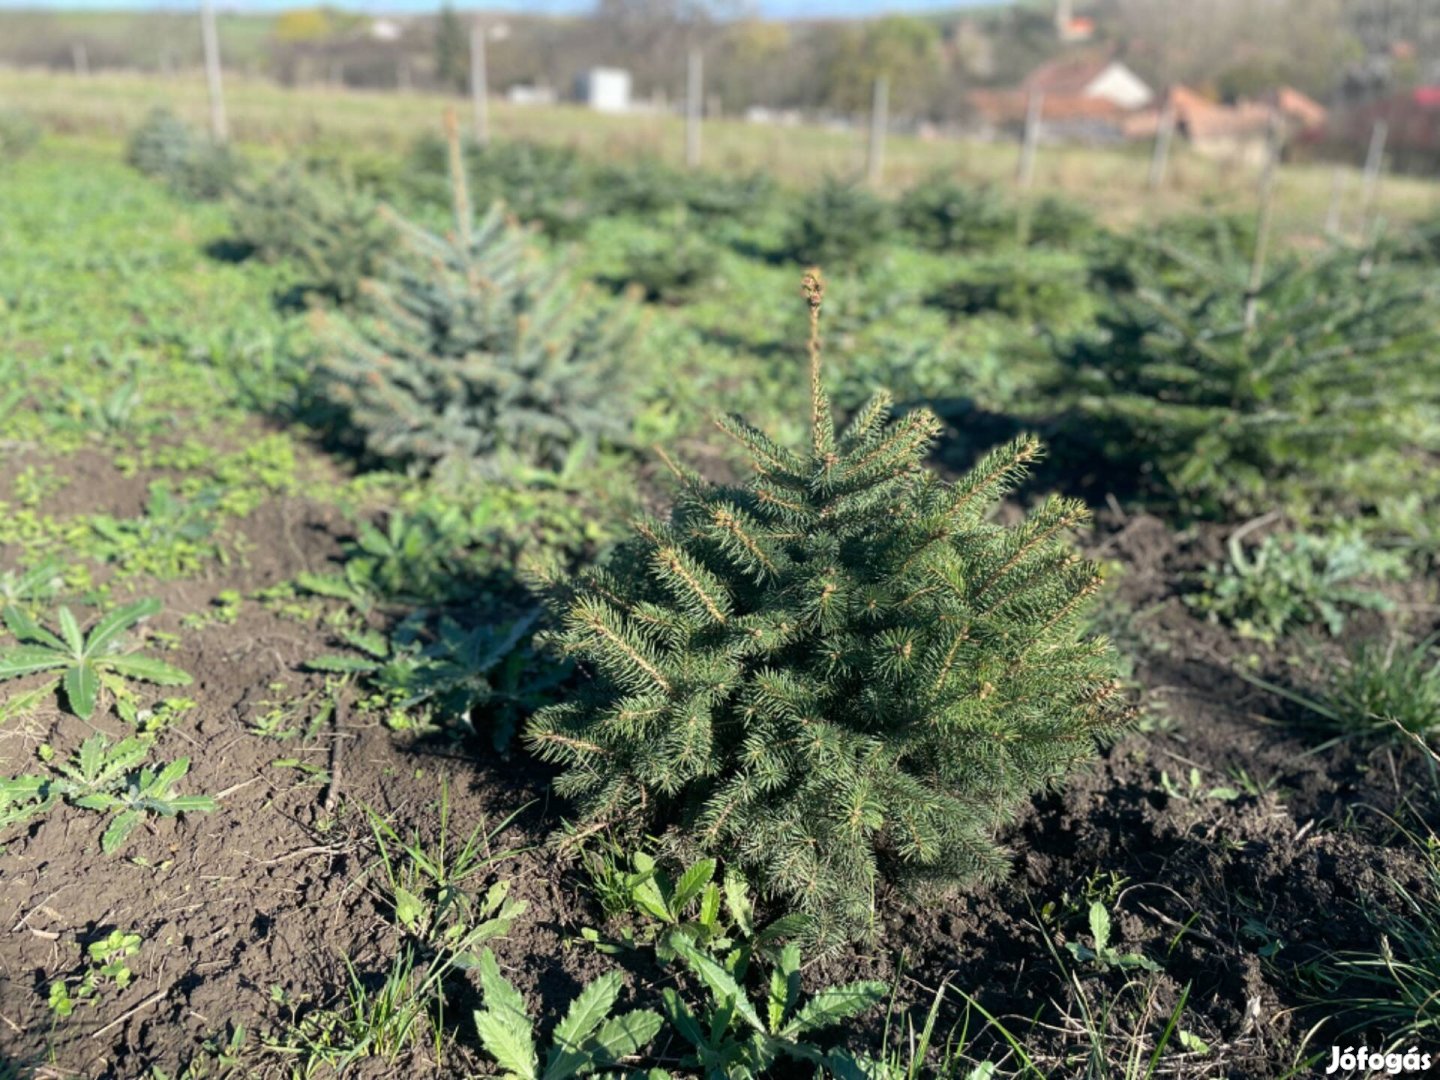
point(1109, 181)
point(267, 808)
point(153, 38)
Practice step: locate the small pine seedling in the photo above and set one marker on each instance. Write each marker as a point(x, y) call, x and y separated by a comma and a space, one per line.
point(190, 164)
point(332, 232)
point(470, 351)
point(1229, 413)
point(838, 674)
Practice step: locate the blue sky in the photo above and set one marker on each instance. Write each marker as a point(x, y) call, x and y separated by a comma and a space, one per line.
point(771, 8)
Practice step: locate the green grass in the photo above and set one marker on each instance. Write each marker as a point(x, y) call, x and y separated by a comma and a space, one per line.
point(1391, 991)
point(1384, 686)
point(146, 37)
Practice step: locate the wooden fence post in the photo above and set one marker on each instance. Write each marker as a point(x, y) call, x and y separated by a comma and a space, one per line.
point(879, 122)
point(1160, 159)
point(210, 37)
point(479, 91)
point(1374, 164)
point(1025, 171)
point(694, 106)
point(1333, 219)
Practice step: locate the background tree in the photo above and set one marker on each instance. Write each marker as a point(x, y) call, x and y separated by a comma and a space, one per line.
point(904, 49)
point(452, 49)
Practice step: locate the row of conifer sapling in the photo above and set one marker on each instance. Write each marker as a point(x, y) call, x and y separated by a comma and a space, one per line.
point(838, 675)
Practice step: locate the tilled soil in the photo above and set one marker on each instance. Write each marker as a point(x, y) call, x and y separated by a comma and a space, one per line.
point(1232, 896)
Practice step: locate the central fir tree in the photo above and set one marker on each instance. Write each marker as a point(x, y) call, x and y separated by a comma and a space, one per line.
point(839, 673)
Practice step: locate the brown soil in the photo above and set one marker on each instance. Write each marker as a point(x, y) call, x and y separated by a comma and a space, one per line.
point(269, 891)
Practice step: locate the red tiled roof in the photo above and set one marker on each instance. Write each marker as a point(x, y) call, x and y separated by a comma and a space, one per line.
point(1294, 105)
point(1077, 107)
point(1201, 118)
point(1066, 76)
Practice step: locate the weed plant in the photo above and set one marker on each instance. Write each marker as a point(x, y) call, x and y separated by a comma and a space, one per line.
point(1296, 580)
point(19, 133)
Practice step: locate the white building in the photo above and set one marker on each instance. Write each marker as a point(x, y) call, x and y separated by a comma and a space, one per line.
point(527, 94)
point(386, 30)
point(605, 89)
point(1120, 86)
point(1095, 78)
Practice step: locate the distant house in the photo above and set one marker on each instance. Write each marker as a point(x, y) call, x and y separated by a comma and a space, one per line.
point(386, 29)
point(1300, 113)
point(605, 89)
point(1239, 133)
point(529, 94)
point(1412, 121)
point(1091, 79)
point(1086, 99)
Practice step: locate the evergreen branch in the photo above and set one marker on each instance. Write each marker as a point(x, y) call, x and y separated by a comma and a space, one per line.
point(962, 636)
point(996, 473)
point(593, 618)
point(730, 521)
point(769, 460)
point(460, 190)
point(554, 738)
point(908, 441)
point(1060, 515)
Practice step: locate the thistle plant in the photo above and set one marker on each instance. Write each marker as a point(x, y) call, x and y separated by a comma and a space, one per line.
point(838, 674)
point(588, 1039)
point(82, 662)
point(471, 350)
point(1297, 580)
point(729, 1036)
point(109, 778)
